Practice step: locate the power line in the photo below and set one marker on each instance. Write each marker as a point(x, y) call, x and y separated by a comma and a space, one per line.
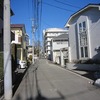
point(28, 9)
point(39, 24)
point(67, 4)
point(58, 7)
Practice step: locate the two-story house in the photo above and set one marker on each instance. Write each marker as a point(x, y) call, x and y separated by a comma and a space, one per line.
point(20, 40)
point(84, 33)
point(57, 46)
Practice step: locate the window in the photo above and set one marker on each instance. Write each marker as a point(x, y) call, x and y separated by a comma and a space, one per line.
point(84, 26)
point(19, 38)
point(86, 52)
point(80, 27)
point(83, 40)
point(82, 53)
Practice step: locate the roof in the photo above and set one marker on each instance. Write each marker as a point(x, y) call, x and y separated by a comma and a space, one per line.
point(62, 36)
point(80, 11)
point(18, 26)
point(56, 30)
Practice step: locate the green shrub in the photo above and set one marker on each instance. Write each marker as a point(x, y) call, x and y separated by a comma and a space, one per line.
point(30, 57)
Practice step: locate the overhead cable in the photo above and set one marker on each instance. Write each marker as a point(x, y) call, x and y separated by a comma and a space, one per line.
point(68, 4)
point(58, 7)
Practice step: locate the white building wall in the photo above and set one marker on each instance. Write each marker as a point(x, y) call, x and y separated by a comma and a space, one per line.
point(92, 18)
point(58, 45)
point(16, 38)
point(56, 48)
point(72, 42)
point(94, 22)
point(49, 34)
point(56, 55)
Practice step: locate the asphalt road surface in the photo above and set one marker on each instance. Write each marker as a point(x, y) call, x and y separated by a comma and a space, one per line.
point(46, 81)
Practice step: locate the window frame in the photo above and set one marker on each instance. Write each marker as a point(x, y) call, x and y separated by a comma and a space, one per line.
point(83, 40)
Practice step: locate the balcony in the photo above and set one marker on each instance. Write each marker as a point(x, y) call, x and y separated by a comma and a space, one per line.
point(18, 39)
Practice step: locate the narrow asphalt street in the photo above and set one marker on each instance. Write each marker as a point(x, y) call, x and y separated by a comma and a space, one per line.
point(46, 81)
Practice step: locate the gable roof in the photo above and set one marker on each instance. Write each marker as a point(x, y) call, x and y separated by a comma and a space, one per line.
point(81, 10)
point(62, 36)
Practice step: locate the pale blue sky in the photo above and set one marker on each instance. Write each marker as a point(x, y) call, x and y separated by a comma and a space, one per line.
point(55, 13)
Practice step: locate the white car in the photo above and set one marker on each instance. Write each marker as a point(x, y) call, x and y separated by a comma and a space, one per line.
point(21, 64)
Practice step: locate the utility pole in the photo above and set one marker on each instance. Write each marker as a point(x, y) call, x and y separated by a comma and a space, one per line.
point(7, 52)
point(33, 30)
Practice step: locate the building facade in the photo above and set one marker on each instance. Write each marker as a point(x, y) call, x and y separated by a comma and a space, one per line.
point(57, 46)
point(48, 35)
point(27, 39)
point(84, 33)
point(29, 50)
point(20, 40)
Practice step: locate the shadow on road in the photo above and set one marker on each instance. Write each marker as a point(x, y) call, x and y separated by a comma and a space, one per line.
point(88, 74)
point(18, 79)
point(31, 77)
point(32, 85)
point(39, 94)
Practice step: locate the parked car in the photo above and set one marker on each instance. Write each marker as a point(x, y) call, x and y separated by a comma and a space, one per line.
point(21, 64)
